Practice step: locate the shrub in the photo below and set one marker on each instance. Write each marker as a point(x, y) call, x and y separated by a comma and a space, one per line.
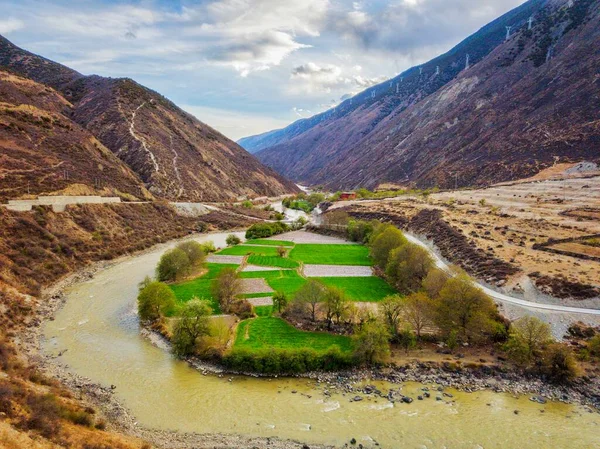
point(528, 336)
point(233, 240)
point(173, 265)
point(242, 309)
point(263, 230)
point(281, 251)
point(407, 267)
point(226, 287)
point(360, 230)
point(559, 363)
point(280, 301)
point(192, 324)
point(594, 346)
point(384, 242)
point(464, 307)
point(287, 361)
point(372, 342)
point(247, 204)
point(194, 251)
point(155, 300)
point(209, 247)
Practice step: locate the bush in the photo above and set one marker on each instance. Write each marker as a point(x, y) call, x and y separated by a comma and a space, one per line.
point(372, 343)
point(281, 251)
point(233, 240)
point(209, 247)
point(155, 300)
point(192, 324)
point(242, 309)
point(247, 204)
point(360, 231)
point(385, 240)
point(559, 363)
point(173, 265)
point(287, 361)
point(594, 346)
point(226, 287)
point(263, 230)
point(194, 251)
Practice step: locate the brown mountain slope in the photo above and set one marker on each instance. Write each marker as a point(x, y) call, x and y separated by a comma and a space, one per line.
point(508, 116)
point(174, 154)
point(43, 151)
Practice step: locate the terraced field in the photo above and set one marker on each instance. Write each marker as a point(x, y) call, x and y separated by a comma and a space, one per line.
point(273, 332)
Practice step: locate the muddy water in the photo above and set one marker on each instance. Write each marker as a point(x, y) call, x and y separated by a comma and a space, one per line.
point(99, 329)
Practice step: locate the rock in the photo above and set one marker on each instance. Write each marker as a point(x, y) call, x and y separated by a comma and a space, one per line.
point(427, 394)
point(438, 398)
point(357, 399)
point(353, 441)
point(420, 398)
point(406, 399)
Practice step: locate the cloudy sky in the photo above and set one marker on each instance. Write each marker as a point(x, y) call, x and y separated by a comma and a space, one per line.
point(246, 66)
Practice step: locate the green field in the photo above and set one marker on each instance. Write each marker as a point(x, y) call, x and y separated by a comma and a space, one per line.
point(270, 261)
point(269, 242)
point(242, 250)
point(200, 287)
point(264, 310)
point(362, 289)
point(271, 332)
point(331, 254)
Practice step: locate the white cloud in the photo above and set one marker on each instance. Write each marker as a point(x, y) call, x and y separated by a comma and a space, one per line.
point(313, 78)
point(10, 25)
point(235, 125)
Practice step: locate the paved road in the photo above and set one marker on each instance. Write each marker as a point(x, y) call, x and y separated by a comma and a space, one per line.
point(501, 296)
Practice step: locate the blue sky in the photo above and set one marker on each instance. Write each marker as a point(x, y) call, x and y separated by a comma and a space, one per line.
point(246, 66)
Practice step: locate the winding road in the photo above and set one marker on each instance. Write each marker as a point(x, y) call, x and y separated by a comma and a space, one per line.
point(501, 296)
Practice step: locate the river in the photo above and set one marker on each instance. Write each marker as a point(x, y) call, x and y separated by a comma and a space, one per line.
point(99, 329)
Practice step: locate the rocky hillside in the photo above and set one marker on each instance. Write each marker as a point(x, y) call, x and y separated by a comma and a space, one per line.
point(43, 150)
point(165, 150)
point(520, 105)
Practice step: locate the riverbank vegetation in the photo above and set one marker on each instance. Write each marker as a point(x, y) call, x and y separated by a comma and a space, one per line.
point(347, 321)
point(304, 202)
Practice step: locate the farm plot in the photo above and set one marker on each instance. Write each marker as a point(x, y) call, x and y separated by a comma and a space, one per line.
point(271, 332)
point(339, 254)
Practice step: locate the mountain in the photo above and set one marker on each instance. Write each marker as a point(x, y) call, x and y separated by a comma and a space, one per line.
point(43, 150)
point(521, 105)
point(163, 149)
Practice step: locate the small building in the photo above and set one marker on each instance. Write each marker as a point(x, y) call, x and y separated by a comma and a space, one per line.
point(347, 196)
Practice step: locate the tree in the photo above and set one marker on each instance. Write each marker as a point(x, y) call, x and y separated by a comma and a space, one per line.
point(407, 339)
point(391, 310)
point(173, 265)
point(280, 301)
point(233, 240)
point(559, 363)
point(434, 282)
point(281, 251)
point(192, 324)
point(226, 287)
point(155, 300)
point(310, 295)
point(194, 251)
point(372, 342)
point(208, 247)
point(464, 307)
point(407, 267)
point(528, 336)
point(384, 241)
point(594, 346)
point(419, 312)
point(336, 305)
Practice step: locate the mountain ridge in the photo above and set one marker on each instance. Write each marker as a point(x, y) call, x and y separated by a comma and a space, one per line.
point(174, 155)
point(367, 144)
